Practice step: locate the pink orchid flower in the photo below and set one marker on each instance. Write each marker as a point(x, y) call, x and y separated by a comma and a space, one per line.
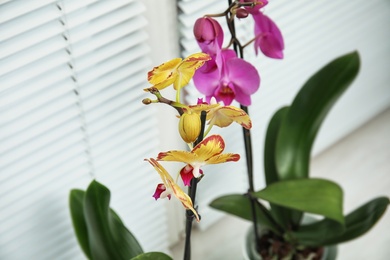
point(231, 79)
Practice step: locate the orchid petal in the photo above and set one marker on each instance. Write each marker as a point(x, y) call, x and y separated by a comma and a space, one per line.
point(268, 37)
point(161, 192)
point(170, 184)
point(243, 75)
point(225, 115)
point(177, 71)
point(206, 82)
point(177, 156)
point(187, 68)
point(226, 157)
point(186, 174)
point(243, 98)
point(211, 146)
point(203, 107)
point(164, 74)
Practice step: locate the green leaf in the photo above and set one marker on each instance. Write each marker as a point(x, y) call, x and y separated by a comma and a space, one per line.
point(284, 216)
point(307, 112)
point(240, 206)
point(108, 237)
point(357, 223)
point(152, 256)
point(316, 196)
point(76, 205)
point(271, 174)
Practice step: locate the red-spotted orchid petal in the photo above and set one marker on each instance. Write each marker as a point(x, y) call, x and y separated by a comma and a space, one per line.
point(172, 187)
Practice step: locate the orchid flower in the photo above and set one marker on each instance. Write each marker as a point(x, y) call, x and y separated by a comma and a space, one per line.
point(234, 79)
point(177, 72)
point(222, 116)
point(209, 151)
point(170, 187)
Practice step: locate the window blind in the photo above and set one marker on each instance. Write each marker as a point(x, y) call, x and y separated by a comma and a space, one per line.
point(72, 74)
point(314, 33)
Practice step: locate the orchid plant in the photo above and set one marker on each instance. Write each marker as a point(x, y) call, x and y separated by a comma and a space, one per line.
point(222, 75)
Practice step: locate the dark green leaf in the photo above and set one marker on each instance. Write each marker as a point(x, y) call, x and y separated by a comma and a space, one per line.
point(108, 237)
point(316, 196)
point(240, 206)
point(284, 216)
point(307, 112)
point(357, 223)
point(152, 256)
point(315, 234)
point(271, 174)
point(76, 205)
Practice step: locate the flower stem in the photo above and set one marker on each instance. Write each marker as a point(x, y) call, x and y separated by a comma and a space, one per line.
point(247, 137)
point(192, 194)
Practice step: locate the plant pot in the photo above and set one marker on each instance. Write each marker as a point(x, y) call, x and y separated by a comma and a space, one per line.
point(250, 253)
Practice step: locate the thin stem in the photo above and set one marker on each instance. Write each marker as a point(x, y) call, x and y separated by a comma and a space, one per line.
point(247, 138)
point(160, 99)
point(192, 194)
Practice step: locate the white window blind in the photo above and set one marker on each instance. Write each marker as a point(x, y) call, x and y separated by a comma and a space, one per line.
point(72, 74)
point(314, 32)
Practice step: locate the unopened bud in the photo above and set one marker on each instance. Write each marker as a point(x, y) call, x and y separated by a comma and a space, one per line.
point(189, 127)
point(206, 29)
point(147, 101)
point(242, 13)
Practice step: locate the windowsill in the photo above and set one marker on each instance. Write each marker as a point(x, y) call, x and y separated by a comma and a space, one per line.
point(359, 163)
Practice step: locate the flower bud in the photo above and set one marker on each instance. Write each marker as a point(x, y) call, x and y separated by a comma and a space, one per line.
point(147, 101)
point(189, 127)
point(242, 13)
point(206, 29)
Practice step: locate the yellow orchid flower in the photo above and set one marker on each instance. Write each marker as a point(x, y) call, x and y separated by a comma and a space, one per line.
point(222, 116)
point(177, 71)
point(169, 186)
point(209, 151)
